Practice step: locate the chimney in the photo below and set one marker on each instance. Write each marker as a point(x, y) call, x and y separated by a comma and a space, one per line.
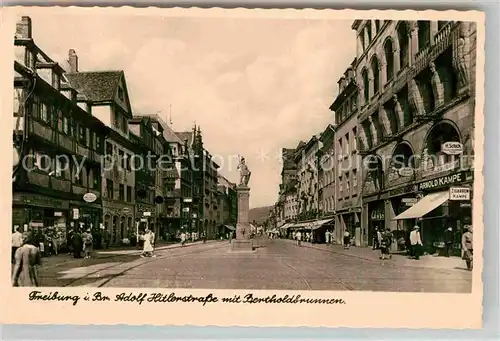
point(72, 61)
point(23, 28)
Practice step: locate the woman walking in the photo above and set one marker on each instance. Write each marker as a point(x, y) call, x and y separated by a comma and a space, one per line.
point(147, 250)
point(27, 260)
point(88, 244)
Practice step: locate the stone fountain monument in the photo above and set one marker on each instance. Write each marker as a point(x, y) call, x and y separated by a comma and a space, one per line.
point(243, 241)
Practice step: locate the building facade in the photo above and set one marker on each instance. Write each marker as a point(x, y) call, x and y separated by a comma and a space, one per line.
point(57, 183)
point(417, 95)
point(104, 94)
point(326, 172)
point(348, 189)
point(307, 179)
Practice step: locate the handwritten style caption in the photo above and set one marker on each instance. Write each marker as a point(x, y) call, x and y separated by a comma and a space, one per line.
point(140, 298)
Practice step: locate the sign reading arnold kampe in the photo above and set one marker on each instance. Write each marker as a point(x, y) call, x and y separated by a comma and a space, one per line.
point(445, 181)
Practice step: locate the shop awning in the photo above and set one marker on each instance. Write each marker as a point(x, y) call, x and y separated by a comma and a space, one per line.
point(286, 226)
point(229, 227)
point(307, 225)
point(320, 223)
point(425, 205)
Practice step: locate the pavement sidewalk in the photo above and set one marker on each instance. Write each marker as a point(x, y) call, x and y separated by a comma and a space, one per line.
point(367, 253)
point(98, 256)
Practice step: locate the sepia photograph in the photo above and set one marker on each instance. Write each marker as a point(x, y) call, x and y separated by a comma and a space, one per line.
point(271, 153)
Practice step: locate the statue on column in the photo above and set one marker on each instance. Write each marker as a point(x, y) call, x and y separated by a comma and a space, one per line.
point(437, 86)
point(245, 172)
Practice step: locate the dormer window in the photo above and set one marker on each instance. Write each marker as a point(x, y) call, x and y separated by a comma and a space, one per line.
point(56, 81)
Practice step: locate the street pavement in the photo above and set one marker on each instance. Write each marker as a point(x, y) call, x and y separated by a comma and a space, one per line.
point(276, 265)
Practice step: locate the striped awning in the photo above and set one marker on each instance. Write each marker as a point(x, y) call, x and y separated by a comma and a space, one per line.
point(320, 223)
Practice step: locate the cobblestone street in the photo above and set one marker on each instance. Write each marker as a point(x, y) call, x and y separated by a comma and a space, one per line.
point(277, 265)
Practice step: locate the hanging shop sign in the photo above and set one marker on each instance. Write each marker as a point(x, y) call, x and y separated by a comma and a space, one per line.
point(58, 214)
point(185, 209)
point(459, 193)
point(76, 213)
point(405, 171)
point(444, 181)
point(89, 197)
point(146, 214)
point(188, 200)
point(452, 148)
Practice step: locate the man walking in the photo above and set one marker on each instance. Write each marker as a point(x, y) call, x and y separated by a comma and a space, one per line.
point(415, 242)
point(448, 240)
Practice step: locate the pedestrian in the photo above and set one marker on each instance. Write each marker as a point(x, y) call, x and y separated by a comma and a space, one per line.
point(448, 241)
point(385, 245)
point(88, 243)
point(147, 246)
point(77, 242)
point(416, 242)
point(347, 240)
point(153, 243)
point(327, 237)
point(379, 238)
point(375, 239)
point(27, 261)
point(17, 242)
point(183, 238)
point(298, 236)
point(467, 247)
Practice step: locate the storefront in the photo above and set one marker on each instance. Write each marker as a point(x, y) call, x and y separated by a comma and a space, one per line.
point(442, 203)
point(348, 220)
point(376, 219)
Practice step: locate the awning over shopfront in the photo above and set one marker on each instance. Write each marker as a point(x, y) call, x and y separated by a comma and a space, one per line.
point(229, 227)
point(305, 226)
point(425, 205)
point(285, 226)
point(320, 223)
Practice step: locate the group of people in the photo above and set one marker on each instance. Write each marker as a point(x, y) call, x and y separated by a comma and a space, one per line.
point(299, 236)
point(148, 243)
point(80, 243)
point(382, 241)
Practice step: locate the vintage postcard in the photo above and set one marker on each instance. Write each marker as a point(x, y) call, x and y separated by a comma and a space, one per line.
point(242, 167)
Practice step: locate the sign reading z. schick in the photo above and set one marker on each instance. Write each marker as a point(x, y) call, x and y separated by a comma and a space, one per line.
point(452, 148)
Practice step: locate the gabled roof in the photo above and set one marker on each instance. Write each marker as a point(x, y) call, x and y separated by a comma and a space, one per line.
point(97, 86)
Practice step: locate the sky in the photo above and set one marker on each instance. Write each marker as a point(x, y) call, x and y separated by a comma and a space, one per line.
point(254, 86)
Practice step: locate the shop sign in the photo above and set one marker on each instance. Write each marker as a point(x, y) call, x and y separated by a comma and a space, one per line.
point(409, 200)
point(36, 224)
point(144, 220)
point(459, 193)
point(146, 214)
point(126, 210)
point(465, 204)
point(76, 213)
point(405, 171)
point(185, 209)
point(57, 214)
point(378, 215)
point(89, 197)
point(452, 148)
point(442, 181)
point(188, 200)
point(402, 190)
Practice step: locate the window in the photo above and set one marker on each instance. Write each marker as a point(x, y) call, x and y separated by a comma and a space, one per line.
point(124, 124)
point(341, 150)
point(36, 107)
point(377, 26)
point(65, 125)
point(117, 120)
point(55, 81)
point(376, 78)
point(61, 165)
point(369, 30)
point(354, 178)
point(109, 148)
point(347, 151)
point(389, 59)
point(82, 135)
point(362, 40)
point(121, 157)
point(109, 189)
point(98, 143)
point(44, 115)
point(42, 161)
point(347, 183)
point(128, 162)
point(122, 192)
point(355, 139)
point(403, 38)
point(120, 94)
point(129, 193)
point(78, 175)
point(340, 184)
point(96, 179)
point(424, 33)
point(366, 86)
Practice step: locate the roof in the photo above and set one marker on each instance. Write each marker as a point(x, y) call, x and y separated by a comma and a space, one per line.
point(97, 86)
point(186, 135)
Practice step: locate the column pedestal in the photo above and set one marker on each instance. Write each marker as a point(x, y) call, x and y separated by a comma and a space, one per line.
point(243, 243)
